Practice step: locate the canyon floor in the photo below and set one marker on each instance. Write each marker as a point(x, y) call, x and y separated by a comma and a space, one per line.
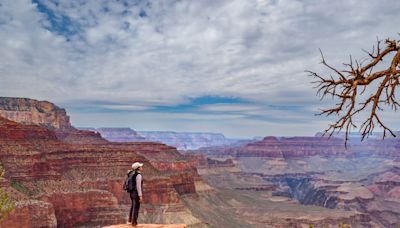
point(301, 192)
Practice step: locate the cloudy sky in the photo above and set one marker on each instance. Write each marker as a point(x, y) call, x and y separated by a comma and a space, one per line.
point(230, 66)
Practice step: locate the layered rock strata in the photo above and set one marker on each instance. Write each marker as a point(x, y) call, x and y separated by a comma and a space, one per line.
point(30, 111)
point(299, 147)
point(31, 213)
point(316, 171)
point(81, 181)
point(180, 140)
point(118, 134)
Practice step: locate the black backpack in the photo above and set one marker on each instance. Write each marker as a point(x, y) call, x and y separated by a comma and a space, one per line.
point(130, 182)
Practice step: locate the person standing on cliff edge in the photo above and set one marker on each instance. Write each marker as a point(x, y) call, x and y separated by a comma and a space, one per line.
point(136, 192)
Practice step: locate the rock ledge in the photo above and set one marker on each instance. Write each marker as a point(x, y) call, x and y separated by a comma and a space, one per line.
point(148, 226)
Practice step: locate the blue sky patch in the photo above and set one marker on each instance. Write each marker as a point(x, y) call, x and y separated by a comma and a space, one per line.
point(142, 13)
point(198, 102)
point(207, 100)
point(59, 24)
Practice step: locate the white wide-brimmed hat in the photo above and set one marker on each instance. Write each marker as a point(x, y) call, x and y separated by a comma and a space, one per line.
point(136, 165)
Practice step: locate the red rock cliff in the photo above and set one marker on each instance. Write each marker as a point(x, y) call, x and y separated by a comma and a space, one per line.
point(29, 111)
point(293, 147)
point(76, 177)
point(286, 147)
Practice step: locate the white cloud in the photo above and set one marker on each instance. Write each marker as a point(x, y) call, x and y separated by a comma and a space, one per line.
point(251, 49)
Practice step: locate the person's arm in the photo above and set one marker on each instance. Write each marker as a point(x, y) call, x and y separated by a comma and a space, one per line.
point(139, 186)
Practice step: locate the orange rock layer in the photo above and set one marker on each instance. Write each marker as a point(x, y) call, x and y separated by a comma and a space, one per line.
point(30, 111)
point(81, 183)
point(299, 147)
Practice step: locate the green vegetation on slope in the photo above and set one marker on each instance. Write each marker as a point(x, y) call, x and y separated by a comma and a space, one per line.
point(6, 204)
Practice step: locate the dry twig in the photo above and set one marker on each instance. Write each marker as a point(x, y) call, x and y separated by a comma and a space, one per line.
point(349, 84)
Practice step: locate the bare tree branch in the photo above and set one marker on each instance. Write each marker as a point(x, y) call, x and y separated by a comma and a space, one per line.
point(349, 84)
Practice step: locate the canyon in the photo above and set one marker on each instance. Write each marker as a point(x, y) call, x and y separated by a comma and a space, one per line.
point(180, 140)
point(64, 177)
point(61, 176)
point(358, 186)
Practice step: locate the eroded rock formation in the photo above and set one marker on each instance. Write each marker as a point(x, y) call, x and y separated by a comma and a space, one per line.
point(74, 177)
point(180, 140)
point(29, 111)
point(64, 177)
point(119, 134)
point(317, 171)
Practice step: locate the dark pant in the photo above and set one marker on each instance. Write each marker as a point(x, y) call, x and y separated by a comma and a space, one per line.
point(134, 212)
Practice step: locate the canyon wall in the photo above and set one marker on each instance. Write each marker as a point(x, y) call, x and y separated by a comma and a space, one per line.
point(118, 134)
point(316, 172)
point(74, 177)
point(292, 147)
point(65, 177)
point(185, 140)
point(29, 111)
point(180, 140)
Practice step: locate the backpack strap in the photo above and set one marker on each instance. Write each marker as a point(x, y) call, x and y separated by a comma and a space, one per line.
point(130, 172)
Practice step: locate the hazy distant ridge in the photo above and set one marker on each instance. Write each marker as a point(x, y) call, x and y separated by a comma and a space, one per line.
point(180, 140)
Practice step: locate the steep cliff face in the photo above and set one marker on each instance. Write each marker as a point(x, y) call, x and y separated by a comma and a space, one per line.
point(29, 111)
point(374, 198)
point(74, 136)
point(120, 134)
point(292, 147)
point(74, 176)
point(180, 140)
point(171, 163)
point(299, 147)
point(244, 200)
point(43, 113)
point(11, 131)
point(31, 213)
point(316, 172)
point(186, 140)
point(85, 208)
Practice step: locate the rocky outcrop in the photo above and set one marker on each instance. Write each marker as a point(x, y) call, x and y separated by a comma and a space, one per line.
point(171, 163)
point(293, 147)
point(225, 207)
point(75, 177)
point(374, 200)
point(184, 140)
point(31, 213)
point(74, 136)
point(299, 147)
point(329, 194)
point(387, 184)
point(29, 111)
point(85, 208)
point(118, 134)
point(180, 140)
point(13, 132)
point(43, 113)
point(316, 172)
point(72, 178)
